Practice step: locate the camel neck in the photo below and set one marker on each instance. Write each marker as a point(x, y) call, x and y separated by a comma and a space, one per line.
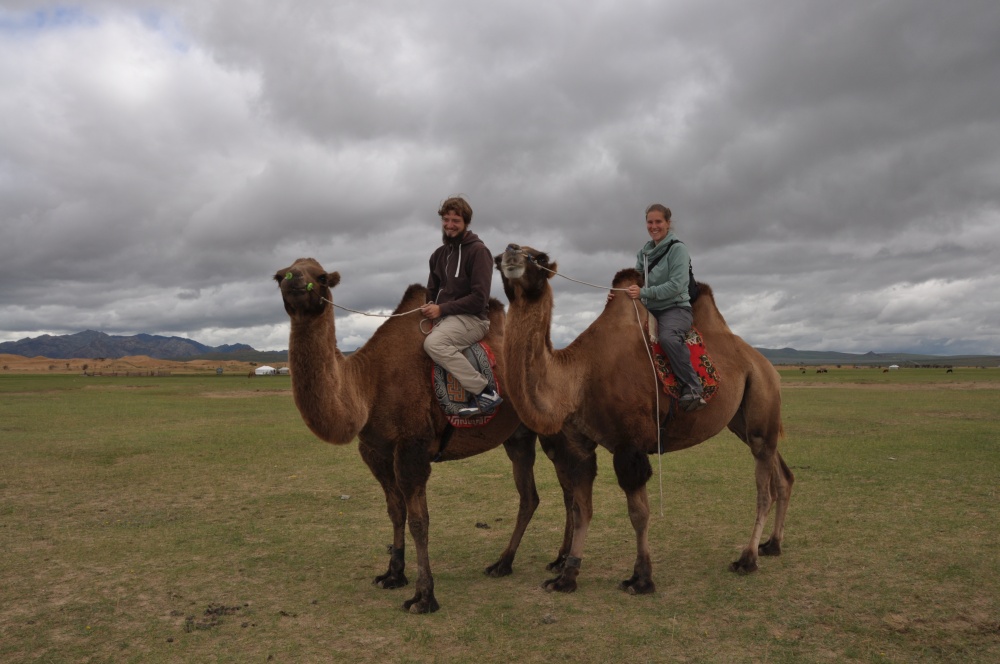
point(323, 386)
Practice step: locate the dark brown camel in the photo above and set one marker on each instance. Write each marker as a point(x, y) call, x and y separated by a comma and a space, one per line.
point(381, 395)
point(600, 390)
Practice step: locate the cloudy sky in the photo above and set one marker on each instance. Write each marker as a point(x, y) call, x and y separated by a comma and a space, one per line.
point(834, 167)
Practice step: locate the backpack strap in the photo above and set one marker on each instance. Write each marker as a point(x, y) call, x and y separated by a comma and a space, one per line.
point(649, 266)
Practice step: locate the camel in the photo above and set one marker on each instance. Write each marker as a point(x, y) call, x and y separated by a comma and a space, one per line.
point(601, 390)
point(381, 395)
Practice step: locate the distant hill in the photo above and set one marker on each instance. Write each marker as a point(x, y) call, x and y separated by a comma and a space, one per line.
point(91, 344)
point(790, 356)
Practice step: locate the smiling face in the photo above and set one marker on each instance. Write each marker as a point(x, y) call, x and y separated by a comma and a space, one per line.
point(452, 225)
point(657, 225)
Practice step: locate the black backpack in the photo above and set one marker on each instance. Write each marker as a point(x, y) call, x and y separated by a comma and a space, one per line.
point(692, 284)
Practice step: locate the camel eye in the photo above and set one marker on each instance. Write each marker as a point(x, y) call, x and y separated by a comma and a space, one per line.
point(321, 279)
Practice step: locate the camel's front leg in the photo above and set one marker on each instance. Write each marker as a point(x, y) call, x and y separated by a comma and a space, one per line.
point(413, 469)
point(520, 449)
point(633, 471)
point(574, 466)
point(578, 475)
point(382, 469)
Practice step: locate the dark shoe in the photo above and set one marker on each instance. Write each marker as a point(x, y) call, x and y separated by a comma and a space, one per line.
point(692, 402)
point(488, 401)
point(470, 409)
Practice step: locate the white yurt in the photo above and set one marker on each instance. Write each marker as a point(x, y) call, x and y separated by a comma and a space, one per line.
point(264, 371)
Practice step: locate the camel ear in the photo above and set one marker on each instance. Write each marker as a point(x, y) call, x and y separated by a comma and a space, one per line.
point(497, 260)
point(332, 279)
point(554, 267)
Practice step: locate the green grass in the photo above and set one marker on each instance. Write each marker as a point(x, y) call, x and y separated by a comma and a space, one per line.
point(194, 518)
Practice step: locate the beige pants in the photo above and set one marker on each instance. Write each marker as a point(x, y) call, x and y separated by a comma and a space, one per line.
point(450, 336)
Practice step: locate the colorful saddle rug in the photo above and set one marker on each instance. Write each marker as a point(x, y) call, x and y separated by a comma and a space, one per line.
point(700, 360)
point(452, 396)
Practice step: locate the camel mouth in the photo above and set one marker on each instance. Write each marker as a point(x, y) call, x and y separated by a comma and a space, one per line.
point(512, 271)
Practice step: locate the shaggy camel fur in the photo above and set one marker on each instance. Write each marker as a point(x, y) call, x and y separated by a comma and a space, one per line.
point(382, 395)
point(601, 390)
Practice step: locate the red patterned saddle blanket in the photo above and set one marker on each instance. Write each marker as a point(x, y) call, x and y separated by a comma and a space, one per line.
point(700, 360)
point(452, 396)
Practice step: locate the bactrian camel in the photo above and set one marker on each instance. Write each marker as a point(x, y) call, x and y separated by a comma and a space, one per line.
point(600, 390)
point(381, 395)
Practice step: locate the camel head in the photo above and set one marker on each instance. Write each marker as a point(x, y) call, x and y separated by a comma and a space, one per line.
point(524, 269)
point(304, 286)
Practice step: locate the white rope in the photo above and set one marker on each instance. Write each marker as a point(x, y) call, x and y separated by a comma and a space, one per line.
point(365, 313)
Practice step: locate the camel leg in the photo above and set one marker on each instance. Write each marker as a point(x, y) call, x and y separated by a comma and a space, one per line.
point(781, 487)
point(382, 469)
point(570, 469)
point(577, 476)
point(413, 469)
point(520, 448)
point(633, 471)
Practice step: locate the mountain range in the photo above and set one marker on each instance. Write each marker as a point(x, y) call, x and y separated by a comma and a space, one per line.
point(92, 344)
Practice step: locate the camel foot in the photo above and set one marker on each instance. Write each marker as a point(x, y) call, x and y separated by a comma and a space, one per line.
point(390, 580)
point(560, 584)
point(771, 547)
point(747, 564)
point(557, 565)
point(502, 567)
point(637, 586)
point(422, 602)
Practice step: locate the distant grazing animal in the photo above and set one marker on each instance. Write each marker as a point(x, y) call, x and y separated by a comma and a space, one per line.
point(821, 371)
point(382, 395)
point(885, 371)
point(949, 371)
point(599, 390)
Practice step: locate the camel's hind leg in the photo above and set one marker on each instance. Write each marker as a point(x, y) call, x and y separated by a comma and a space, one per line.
point(758, 424)
point(782, 480)
point(633, 471)
point(381, 467)
point(520, 449)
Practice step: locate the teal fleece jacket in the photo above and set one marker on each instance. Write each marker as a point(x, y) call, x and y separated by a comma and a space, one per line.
point(667, 285)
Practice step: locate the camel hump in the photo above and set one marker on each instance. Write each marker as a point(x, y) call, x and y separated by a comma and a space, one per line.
point(626, 277)
point(416, 292)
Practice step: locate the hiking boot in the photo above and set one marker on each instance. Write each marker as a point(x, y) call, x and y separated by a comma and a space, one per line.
point(488, 400)
point(692, 402)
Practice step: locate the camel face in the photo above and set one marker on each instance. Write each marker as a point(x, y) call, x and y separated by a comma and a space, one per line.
point(305, 285)
point(525, 268)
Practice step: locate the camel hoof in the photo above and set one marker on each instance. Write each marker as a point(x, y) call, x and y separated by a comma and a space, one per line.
point(421, 604)
point(635, 586)
point(557, 565)
point(390, 581)
point(560, 585)
point(499, 569)
point(744, 566)
point(771, 547)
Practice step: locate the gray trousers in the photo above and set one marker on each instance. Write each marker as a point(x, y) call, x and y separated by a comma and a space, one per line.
point(449, 337)
point(672, 326)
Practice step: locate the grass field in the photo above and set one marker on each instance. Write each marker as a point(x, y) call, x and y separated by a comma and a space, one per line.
point(194, 518)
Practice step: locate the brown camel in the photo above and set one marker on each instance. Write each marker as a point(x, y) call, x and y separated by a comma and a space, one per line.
point(381, 395)
point(601, 390)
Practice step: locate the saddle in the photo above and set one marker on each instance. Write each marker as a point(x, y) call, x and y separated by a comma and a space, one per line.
point(452, 396)
point(700, 360)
